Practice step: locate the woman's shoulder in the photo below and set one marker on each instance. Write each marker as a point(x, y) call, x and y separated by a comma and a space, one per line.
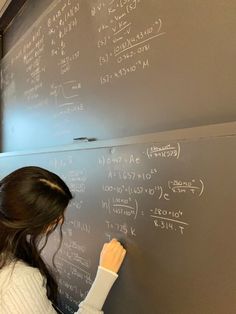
point(17, 271)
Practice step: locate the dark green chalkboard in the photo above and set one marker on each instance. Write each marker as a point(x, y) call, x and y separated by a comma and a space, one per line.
point(109, 69)
point(170, 199)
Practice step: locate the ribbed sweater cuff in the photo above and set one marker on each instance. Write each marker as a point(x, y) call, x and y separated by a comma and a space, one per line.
point(101, 286)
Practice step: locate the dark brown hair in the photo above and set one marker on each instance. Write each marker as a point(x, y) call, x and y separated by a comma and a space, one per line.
point(32, 203)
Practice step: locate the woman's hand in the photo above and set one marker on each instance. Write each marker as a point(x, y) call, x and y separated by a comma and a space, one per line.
point(112, 256)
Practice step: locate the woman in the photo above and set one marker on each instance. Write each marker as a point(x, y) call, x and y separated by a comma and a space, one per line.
point(32, 205)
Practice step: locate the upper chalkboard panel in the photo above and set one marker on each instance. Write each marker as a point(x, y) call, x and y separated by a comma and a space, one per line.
point(110, 69)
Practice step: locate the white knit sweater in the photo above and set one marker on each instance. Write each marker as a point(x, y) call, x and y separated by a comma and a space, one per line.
point(22, 291)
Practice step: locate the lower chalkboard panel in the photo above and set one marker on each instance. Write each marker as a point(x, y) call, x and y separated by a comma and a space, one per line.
point(171, 203)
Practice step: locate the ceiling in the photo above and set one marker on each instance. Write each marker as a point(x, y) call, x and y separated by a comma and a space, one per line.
point(8, 10)
point(3, 6)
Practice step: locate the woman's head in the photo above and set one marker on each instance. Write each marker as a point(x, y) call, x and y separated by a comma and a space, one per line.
point(31, 199)
point(32, 204)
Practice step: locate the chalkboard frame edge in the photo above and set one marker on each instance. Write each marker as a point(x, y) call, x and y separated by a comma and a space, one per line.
point(200, 132)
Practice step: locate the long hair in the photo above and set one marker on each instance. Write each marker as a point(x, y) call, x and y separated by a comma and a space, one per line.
point(32, 204)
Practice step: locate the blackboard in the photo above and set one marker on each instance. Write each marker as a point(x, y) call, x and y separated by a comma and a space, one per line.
point(170, 199)
point(109, 69)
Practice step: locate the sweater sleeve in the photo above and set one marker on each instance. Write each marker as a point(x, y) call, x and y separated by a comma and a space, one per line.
point(97, 295)
point(28, 295)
